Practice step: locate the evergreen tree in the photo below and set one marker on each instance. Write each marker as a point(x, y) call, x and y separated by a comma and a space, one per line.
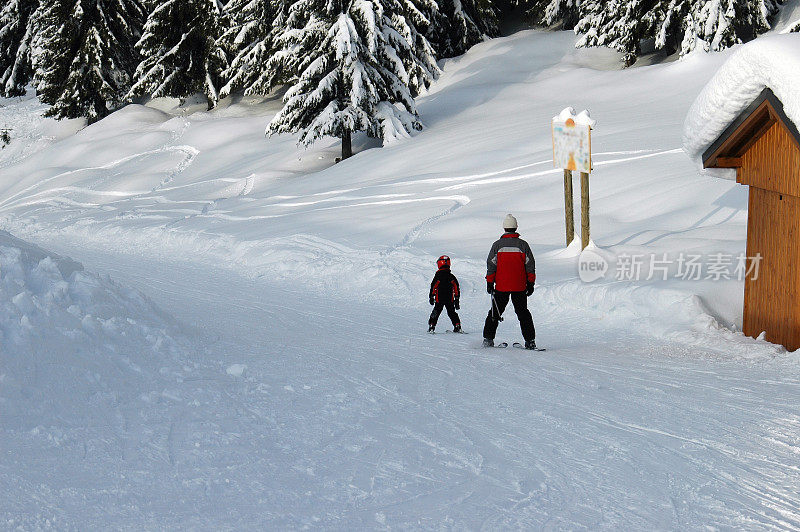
point(457, 25)
point(618, 24)
point(83, 55)
point(180, 52)
point(15, 40)
point(550, 12)
point(254, 26)
point(410, 21)
point(348, 58)
point(671, 21)
point(713, 25)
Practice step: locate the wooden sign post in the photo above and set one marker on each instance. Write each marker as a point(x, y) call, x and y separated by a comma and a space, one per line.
point(569, 210)
point(584, 210)
point(572, 150)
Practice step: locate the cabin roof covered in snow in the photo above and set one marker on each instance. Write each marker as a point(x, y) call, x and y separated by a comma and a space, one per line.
point(742, 133)
point(768, 63)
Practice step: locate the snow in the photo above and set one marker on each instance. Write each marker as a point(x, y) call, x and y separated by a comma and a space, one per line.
point(81, 358)
point(28, 131)
point(769, 62)
point(236, 370)
point(788, 17)
point(584, 118)
point(245, 346)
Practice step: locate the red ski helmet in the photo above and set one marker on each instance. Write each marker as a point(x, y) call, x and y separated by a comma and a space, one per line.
point(443, 262)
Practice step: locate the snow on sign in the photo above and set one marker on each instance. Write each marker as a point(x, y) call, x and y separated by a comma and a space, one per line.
point(572, 141)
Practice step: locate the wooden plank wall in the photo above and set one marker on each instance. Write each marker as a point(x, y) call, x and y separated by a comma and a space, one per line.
point(771, 302)
point(773, 162)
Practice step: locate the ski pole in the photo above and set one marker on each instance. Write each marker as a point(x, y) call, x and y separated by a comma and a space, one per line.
point(496, 308)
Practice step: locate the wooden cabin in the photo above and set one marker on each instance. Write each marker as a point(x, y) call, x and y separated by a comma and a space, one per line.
point(763, 145)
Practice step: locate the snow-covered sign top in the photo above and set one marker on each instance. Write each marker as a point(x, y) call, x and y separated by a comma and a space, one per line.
point(770, 62)
point(582, 119)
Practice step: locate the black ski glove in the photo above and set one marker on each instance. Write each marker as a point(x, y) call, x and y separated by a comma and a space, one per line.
point(489, 287)
point(529, 289)
point(458, 307)
point(432, 300)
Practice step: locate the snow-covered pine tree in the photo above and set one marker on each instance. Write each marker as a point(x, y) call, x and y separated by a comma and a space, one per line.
point(254, 26)
point(16, 33)
point(350, 74)
point(714, 25)
point(460, 24)
point(618, 24)
point(670, 20)
point(550, 12)
point(50, 47)
point(181, 55)
point(684, 25)
point(83, 55)
point(410, 20)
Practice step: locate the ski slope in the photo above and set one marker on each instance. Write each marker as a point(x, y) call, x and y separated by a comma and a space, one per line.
point(300, 389)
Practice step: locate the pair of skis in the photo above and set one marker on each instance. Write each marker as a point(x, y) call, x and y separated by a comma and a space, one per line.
point(503, 345)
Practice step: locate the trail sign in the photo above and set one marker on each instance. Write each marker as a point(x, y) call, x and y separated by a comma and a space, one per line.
point(572, 151)
point(572, 144)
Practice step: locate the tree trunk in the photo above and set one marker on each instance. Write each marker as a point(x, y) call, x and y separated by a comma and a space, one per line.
point(347, 145)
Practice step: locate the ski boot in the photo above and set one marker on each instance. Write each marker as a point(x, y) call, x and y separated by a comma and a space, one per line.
point(431, 329)
point(488, 342)
point(530, 344)
point(457, 328)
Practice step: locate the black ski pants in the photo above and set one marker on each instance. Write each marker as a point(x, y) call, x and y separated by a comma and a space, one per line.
point(451, 312)
point(499, 303)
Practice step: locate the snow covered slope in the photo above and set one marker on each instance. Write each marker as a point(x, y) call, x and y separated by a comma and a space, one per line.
point(314, 399)
point(209, 186)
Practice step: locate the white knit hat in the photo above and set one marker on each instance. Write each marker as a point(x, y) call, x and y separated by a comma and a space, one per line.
point(510, 222)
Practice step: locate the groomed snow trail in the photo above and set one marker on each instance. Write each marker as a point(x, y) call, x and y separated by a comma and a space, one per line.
point(304, 391)
point(341, 415)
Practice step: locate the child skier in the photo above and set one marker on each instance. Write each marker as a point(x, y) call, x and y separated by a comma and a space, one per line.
point(444, 294)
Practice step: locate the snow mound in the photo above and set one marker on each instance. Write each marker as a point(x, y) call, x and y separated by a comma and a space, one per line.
point(135, 113)
point(676, 316)
point(769, 62)
point(68, 337)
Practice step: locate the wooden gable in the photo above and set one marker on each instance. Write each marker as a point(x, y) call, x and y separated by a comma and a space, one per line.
point(763, 145)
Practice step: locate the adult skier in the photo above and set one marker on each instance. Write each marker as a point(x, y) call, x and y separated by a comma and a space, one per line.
point(510, 274)
point(444, 294)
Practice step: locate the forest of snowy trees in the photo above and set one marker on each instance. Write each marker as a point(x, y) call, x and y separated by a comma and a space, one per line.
point(350, 65)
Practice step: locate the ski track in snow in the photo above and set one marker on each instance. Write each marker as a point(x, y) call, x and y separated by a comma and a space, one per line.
point(417, 231)
point(189, 152)
point(329, 428)
point(247, 183)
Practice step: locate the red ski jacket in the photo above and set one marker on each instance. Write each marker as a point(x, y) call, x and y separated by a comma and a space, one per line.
point(444, 287)
point(510, 265)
